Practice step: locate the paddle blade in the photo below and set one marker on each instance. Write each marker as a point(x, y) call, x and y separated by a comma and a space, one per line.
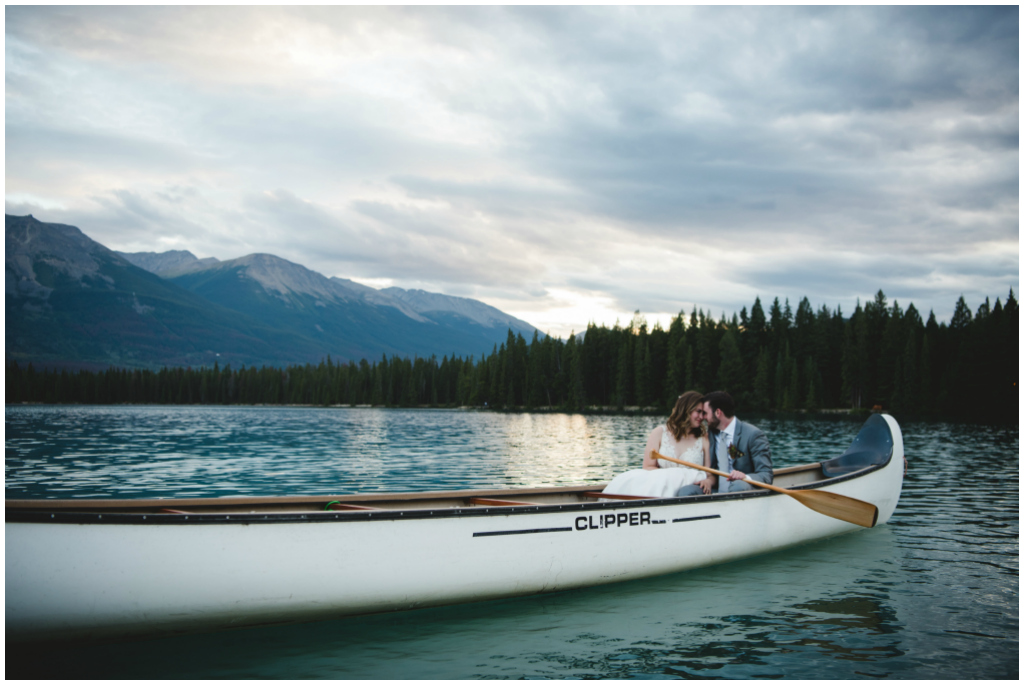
point(838, 506)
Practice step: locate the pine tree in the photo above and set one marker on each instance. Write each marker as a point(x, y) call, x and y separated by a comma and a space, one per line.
point(781, 398)
point(793, 398)
point(705, 358)
point(731, 369)
point(625, 375)
point(577, 391)
point(676, 380)
point(691, 376)
point(803, 330)
point(812, 378)
point(762, 384)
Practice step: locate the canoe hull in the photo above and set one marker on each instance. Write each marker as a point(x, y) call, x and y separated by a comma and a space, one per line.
point(71, 581)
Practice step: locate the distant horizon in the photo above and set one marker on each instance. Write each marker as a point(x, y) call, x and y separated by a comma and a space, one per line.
point(663, 319)
point(665, 323)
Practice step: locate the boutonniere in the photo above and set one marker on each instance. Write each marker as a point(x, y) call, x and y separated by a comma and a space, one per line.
point(734, 453)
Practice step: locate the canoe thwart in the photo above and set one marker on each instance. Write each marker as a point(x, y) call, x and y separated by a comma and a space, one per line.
point(338, 506)
point(485, 502)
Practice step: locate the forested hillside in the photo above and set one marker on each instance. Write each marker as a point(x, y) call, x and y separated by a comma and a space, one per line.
point(779, 360)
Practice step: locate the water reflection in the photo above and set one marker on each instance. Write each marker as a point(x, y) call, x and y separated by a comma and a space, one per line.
point(852, 611)
point(176, 451)
point(563, 449)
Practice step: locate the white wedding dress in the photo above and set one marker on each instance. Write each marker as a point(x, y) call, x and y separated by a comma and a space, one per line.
point(666, 480)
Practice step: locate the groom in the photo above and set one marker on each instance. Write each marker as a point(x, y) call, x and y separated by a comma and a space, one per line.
point(737, 448)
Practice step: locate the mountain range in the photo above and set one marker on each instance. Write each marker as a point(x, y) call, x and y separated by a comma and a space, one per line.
point(72, 302)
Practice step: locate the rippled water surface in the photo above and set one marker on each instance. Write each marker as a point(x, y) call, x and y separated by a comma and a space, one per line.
point(931, 595)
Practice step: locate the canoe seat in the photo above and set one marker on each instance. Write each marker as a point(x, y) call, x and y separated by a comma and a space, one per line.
point(873, 445)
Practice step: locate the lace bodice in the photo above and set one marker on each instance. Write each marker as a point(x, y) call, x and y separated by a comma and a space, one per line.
point(694, 454)
point(665, 481)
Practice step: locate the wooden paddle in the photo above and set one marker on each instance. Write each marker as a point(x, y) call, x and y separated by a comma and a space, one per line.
point(828, 503)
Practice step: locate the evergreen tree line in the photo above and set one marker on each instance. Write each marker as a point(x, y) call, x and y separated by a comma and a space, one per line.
point(779, 360)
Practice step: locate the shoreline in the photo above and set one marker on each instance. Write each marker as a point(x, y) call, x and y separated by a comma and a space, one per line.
point(593, 409)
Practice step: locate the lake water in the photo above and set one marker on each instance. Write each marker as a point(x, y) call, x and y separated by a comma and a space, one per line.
point(931, 595)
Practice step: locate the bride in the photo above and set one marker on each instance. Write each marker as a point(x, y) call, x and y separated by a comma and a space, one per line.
point(684, 436)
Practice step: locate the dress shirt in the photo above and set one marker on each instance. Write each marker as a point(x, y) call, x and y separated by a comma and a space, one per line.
point(725, 438)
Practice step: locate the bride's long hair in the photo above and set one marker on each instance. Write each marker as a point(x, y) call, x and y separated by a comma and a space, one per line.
point(679, 421)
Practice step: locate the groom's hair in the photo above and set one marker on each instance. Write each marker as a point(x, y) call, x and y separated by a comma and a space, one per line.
point(721, 400)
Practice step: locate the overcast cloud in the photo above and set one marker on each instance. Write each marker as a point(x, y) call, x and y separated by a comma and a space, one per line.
point(563, 164)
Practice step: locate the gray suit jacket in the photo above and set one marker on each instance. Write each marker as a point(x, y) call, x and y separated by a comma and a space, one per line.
point(756, 461)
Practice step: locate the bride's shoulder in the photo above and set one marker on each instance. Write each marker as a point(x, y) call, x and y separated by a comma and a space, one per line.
point(655, 436)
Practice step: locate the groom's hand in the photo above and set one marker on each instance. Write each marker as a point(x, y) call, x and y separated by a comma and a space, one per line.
point(737, 475)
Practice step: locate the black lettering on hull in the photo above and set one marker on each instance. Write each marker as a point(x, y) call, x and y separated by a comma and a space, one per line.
point(602, 522)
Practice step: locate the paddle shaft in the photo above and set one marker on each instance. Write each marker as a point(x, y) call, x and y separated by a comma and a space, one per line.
point(658, 455)
point(828, 503)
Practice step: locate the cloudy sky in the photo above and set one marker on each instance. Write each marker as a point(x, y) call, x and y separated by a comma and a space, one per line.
point(563, 164)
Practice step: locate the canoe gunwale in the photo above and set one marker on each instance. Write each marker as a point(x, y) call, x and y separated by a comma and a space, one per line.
point(54, 515)
point(140, 512)
point(259, 500)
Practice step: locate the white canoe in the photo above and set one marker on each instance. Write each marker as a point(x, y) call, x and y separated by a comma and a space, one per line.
point(106, 569)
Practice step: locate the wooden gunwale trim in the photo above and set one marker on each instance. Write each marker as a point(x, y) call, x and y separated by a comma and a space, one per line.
point(321, 500)
point(140, 517)
point(294, 499)
point(796, 469)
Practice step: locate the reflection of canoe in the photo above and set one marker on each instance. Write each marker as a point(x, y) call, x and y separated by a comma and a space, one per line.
point(107, 568)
